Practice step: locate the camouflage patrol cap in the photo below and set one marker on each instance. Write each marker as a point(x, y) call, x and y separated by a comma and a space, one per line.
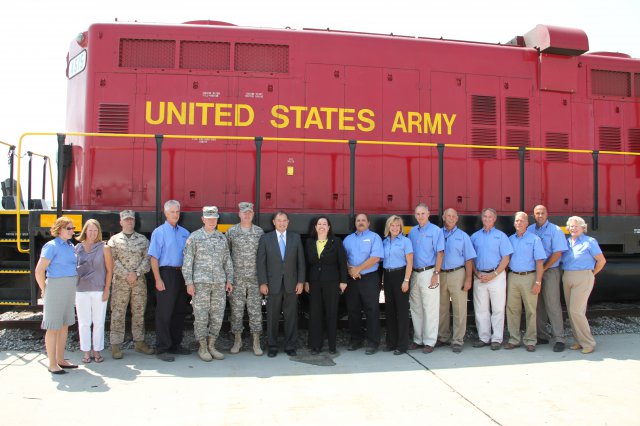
point(126, 214)
point(245, 207)
point(210, 212)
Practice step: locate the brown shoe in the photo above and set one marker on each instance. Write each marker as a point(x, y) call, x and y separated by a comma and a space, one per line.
point(456, 348)
point(427, 349)
point(510, 346)
point(413, 346)
point(531, 348)
point(479, 344)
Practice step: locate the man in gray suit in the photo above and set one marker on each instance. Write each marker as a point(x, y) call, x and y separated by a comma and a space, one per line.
point(281, 273)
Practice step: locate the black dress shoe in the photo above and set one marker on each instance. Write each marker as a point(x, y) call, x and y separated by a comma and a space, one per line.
point(558, 347)
point(542, 341)
point(164, 356)
point(57, 372)
point(290, 352)
point(180, 350)
point(398, 352)
point(354, 346)
point(272, 353)
point(370, 351)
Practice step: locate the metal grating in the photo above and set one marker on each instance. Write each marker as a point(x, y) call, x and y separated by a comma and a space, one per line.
point(480, 136)
point(610, 139)
point(517, 112)
point(483, 110)
point(273, 58)
point(636, 85)
point(113, 118)
point(634, 140)
point(556, 141)
point(517, 138)
point(610, 83)
point(205, 55)
point(142, 53)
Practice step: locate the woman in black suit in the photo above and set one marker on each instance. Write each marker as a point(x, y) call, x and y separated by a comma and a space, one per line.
point(326, 280)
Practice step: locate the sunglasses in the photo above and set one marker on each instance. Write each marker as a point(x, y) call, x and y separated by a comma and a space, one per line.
point(70, 228)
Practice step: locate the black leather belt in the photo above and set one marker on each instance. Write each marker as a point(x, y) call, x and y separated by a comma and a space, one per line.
point(451, 270)
point(179, 268)
point(521, 273)
point(402, 268)
point(426, 268)
point(488, 271)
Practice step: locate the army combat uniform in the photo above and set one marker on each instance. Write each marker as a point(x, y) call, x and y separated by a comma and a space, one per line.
point(207, 265)
point(129, 255)
point(244, 246)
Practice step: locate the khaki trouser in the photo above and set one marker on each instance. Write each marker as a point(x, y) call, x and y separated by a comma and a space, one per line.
point(519, 292)
point(451, 284)
point(577, 288)
point(549, 307)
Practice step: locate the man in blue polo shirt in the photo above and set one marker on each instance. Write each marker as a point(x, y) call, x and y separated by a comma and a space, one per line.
point(524, 282)
point(455, 281)
point(490, 283)
point(364, 251)
point(166, 251)
point(424, 298)
point(554, 243)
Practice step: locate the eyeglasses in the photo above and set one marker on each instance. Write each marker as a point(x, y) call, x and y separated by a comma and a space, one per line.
point(70, 228)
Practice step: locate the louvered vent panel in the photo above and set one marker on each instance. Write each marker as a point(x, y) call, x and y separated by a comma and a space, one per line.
point(611, 83)
point(261, 57)
point(634, 140)
point(140, 53)
point(484, 137)
point(636, 84)
point(517, 112)
point(517, 138)
point(556, 141)
point(205, 55)
point(610, 139)
point(113, 118)
point(483, 110)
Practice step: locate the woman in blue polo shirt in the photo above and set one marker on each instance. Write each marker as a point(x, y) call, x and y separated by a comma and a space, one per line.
point(58, 263)
point(581, 263)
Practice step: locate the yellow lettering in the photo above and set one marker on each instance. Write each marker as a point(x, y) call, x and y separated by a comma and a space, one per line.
point(343, 118)
point(432, 127)
point(414, 119)
point(191, 113)
point(366, 117)
point(279, 116)
point(398, 123)
point(149, 109)
point(204, 107)
point(180, 115)
point(298, 110)
point(313, 119)
point(250, 115)
point(328, 117)
point(449, 122)
point(221, 114)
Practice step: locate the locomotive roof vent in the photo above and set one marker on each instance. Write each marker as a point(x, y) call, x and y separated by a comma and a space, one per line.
point(611, 54)
point(557, 40)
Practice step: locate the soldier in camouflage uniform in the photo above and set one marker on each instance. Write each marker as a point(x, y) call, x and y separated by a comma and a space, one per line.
point(243, 241)
point(130, 263)
point(208, 272)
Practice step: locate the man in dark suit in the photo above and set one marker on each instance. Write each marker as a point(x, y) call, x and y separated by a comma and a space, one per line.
point(281, 273)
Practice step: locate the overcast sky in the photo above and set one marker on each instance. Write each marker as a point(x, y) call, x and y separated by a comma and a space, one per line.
point(35, 35)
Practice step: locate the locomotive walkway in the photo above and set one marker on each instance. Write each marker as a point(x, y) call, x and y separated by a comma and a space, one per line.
point(476, 387)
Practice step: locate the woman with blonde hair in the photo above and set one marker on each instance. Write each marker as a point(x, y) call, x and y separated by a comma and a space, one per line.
point(57, 277)
point(397, 264)
point(581, 263)
point(95, 270)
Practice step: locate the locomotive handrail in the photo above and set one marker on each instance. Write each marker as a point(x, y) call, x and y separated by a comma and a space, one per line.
point(440, 146)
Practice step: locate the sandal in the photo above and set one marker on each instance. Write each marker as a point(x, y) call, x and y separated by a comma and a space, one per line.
point(98, 357)
point(86, 359)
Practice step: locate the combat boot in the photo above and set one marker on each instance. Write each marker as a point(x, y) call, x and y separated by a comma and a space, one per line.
point(237, 343)
point(212, 349)
point(256, 344)
point(116, 351)
point(203, 353)
point(143, 348)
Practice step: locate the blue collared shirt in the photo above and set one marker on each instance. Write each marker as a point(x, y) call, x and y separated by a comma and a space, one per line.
point(62, 255)
point(457, 248)
point(552, 237)
point(526, 251)
point(396, 251)
point(427, 242)
point(580, 255)
point(360, 246)
point(490, 247)
point(167, 244)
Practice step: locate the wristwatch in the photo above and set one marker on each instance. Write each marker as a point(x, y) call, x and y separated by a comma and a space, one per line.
point(436, 272)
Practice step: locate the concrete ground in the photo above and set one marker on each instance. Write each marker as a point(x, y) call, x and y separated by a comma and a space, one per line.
point(478, 387)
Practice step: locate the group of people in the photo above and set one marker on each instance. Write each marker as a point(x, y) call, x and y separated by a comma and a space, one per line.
point(426, 274)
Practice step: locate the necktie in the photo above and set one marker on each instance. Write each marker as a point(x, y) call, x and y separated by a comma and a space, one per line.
point(282, 246)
